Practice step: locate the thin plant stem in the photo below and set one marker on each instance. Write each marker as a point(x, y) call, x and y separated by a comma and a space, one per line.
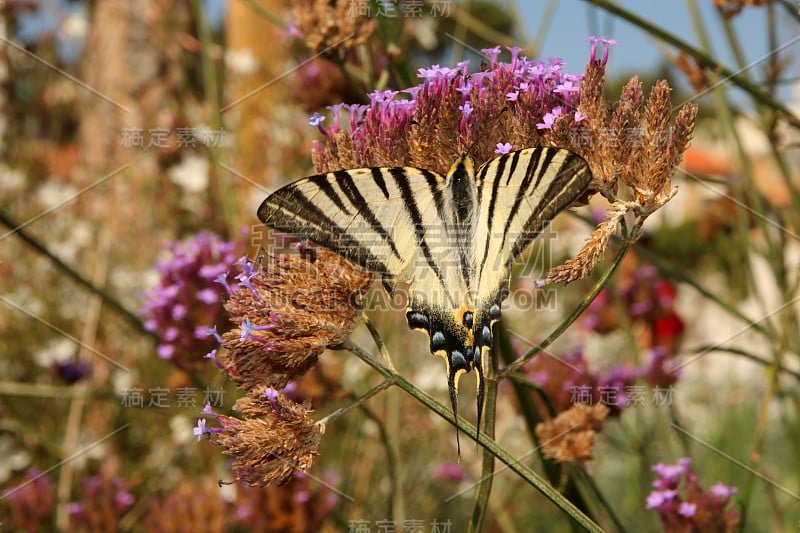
point(76, 276)
point(515, 465)
point(481, 503)
point(566, 323)
point(382, 386)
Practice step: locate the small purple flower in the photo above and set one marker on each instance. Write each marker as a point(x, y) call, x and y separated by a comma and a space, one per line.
point(493, 54)
point(503, 148)
point(579, 116)
point(722, 491)
point(165, 351)
point(74, 508)
point(607, 43)
point(316, 121)
point(290, 30)
point(208, 410)
point(71, 371)
point(123, 500)
point(450, 472)
point(200, 429)
point(466, 109)
point(512, 96)
point(657, 498)
point(222, 279)
point(669, 472)
point(687, 509)
point(515, 50)
point(213, 356)
point(212, 332)
point(207, 296)
point(272, 396)
point(549, 119)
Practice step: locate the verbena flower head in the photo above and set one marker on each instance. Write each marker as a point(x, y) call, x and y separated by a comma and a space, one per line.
point(274, 440)
point(525, 103)
point(569, 437)
point(339, 25)
point(104, 501)
point(188, 298)
point(30, 504)
point(287, 313)
point(683, 505)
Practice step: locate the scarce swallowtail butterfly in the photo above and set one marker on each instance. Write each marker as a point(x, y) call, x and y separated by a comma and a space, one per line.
point(454, 237)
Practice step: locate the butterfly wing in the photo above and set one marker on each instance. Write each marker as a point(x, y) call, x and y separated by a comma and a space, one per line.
point(518, 194)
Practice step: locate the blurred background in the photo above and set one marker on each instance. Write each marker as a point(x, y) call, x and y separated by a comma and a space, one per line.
point(137, 140)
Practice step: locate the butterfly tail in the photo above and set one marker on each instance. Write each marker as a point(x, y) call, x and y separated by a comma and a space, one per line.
point(452, 386)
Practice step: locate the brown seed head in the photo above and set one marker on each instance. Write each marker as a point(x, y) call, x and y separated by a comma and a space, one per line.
point(274, 440)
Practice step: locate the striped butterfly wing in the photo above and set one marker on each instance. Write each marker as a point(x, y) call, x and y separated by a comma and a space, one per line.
point(391, 221)
point(518, 194)
point(454, 237)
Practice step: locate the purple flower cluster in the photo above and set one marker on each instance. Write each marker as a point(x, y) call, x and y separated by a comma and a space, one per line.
point(648, 302)
point(188, 299)
point(567, 379)
point(31, 503)
point(695, 509)
point(536, 92)
point(100, 496)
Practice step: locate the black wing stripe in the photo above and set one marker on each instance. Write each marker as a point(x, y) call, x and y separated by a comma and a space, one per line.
point(377, 177)
point(558, 196)
point(463, 219)
point(501, 163)
point(348, 187)
point(435, 186)
point(316, 226)
point(412, 210)
point(525, 187)
point(323, 182)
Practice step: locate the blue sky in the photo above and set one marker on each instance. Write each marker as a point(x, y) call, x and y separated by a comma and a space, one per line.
point(637, 52)
point(574, 20)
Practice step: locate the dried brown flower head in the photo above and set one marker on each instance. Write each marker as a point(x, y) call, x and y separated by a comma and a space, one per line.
point(569, 437)
point(288, 313)
point(332, 24)
point(275, 439)
point(625, 144)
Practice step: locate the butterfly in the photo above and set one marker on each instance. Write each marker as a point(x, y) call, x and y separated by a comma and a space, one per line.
point(453, 237)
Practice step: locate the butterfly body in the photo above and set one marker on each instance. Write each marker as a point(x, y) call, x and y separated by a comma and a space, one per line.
point(453, 237)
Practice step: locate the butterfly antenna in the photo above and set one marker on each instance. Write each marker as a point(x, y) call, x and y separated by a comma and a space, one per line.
point(451, 385)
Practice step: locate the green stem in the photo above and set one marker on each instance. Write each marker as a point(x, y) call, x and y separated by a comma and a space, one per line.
point(481, 504)
point(747, 355)
point(531, 477)
point(76, 276)
point(590, 296)
point(211, 90)
point(397, 503)
point(264, 12)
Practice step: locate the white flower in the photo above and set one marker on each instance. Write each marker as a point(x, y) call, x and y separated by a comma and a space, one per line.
point(191, 174)
point(241, 61)
point(75, 25)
